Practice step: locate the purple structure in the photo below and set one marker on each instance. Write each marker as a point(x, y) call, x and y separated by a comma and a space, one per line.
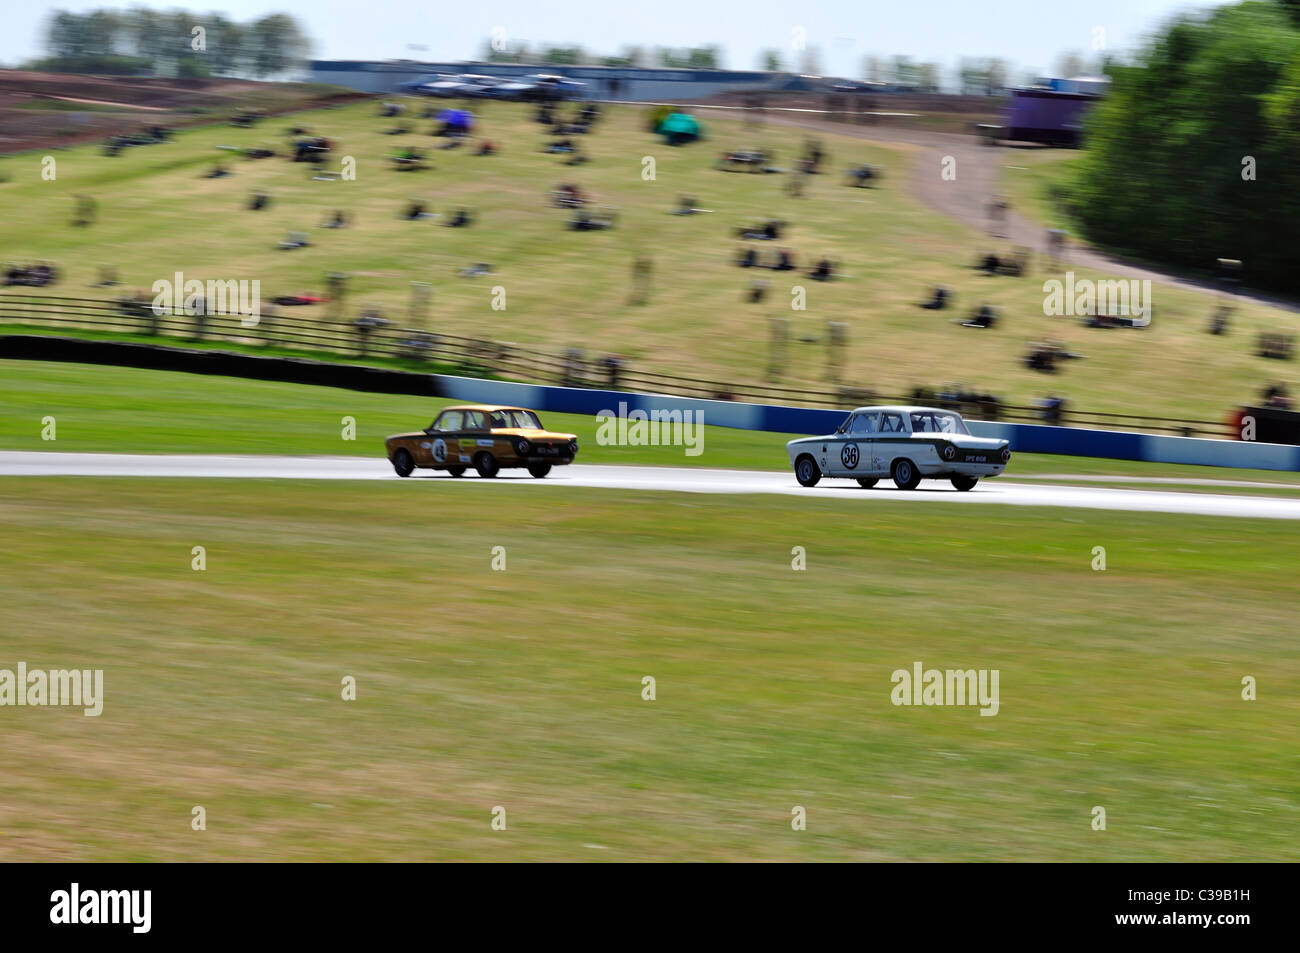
point(1047, 116)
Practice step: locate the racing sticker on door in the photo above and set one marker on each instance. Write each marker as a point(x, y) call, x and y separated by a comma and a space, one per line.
point(439, 451)
point(849, 456)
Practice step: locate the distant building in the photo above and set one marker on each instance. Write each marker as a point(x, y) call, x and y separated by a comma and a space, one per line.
point(603, 82)
point(1097, 85)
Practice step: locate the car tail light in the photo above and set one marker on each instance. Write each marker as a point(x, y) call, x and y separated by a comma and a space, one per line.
point(522, 447)
point(949, 452)
point(573, 446)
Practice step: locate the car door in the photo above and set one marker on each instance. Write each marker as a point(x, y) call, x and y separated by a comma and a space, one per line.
point(891, 442)
point(845, 458)
point(848, 449)
point(864, 433)
point(474, 436)
point(442, 440)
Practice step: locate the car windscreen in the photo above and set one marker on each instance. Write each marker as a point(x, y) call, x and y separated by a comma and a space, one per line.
point(448, 420)
point(862, 423)
point(930, 422)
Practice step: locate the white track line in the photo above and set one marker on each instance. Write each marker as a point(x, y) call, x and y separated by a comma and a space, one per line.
point(676, 479)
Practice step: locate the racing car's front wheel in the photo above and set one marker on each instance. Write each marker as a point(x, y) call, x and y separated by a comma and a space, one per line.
point(906, 475)
point(806, 471)
point(965, 482)
point(867, 482)
point(403, 464)
point(486, 465)
point(539, 470)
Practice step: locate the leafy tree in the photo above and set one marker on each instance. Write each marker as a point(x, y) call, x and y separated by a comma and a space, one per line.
point(227, 41)
point(704, 57)
point(278, 44)
point(1070, 64)
point(631, 56)
point(1164, 172)
point(145, 31)
point(996, 80)
point(65, 35)
point(564, 55)
point(928, 77)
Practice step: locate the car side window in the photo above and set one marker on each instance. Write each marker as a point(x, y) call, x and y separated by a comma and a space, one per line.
point(474, 420)
point(891, 423)
point(862, 423)
point(449, 420)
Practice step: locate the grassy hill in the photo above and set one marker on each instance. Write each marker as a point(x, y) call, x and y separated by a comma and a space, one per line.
point(157, 215)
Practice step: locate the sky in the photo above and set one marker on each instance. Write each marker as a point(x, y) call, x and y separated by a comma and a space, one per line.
point(1031, 34)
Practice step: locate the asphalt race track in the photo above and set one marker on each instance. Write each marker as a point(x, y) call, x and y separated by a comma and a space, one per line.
point(676, 479)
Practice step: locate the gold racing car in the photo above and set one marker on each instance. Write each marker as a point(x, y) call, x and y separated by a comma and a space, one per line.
point(487, 437)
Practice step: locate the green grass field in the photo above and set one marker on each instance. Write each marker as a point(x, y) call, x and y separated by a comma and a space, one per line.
point(522, 688)
point(129, 410)
point(1032, 179)
point(564, 288)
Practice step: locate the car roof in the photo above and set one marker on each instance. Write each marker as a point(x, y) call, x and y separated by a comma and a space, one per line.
point(903, 409)
point(485, 408)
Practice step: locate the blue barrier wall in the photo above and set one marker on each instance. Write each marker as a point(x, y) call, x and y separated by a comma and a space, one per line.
point(1024, 438)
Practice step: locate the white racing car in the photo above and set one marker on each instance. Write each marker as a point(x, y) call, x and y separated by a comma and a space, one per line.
point(906, 443)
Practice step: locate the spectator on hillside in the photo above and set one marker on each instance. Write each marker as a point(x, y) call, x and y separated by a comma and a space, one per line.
point(1050, 408)
point(998, 208)
point(1277, 397)
point(823, 271)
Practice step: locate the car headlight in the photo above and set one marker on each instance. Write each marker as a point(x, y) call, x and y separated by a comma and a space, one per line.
point(948, 452)
point(573, 446)
point(1006, 454)
point(522, 447)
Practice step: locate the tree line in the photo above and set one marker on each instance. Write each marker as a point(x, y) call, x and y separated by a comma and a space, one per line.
point(978, 76)
point(701, 57)
point(1191, 155)
point(144, 42)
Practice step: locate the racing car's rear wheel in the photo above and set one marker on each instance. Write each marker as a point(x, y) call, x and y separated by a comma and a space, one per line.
point(486, 465)
point(867, 482)
point(403, 463)
point(456, 471)
point(905, 474)
point(806, 471)
point(539, 470)
point(965, 482)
